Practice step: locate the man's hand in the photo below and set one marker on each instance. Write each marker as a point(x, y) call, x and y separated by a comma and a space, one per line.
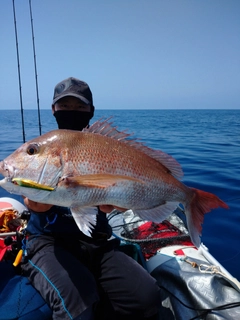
point(42, 207)
point(36, 206)
point(107, 208)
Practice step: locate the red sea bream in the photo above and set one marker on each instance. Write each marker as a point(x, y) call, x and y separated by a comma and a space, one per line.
point(98, 166)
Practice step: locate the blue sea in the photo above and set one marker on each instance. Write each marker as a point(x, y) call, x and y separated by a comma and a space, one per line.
point(205, 142)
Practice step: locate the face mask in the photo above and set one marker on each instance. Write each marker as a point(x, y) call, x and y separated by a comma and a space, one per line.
point(72, 119)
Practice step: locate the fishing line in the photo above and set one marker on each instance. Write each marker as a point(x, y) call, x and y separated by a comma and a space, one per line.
point(233, 199)
point(234, 257)
point(113, 214)
point(126, 224)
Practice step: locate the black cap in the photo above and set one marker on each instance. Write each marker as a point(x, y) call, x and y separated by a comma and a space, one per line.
point(75, 88)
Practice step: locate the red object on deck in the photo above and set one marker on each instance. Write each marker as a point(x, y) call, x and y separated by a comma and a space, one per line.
point(158, 235)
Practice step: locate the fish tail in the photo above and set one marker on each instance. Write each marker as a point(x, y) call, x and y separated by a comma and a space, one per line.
point(201, 202)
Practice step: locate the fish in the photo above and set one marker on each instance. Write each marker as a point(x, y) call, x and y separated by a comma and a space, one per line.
point(102, 165)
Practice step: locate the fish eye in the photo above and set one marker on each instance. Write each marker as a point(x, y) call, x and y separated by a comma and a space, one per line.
point(32, 149)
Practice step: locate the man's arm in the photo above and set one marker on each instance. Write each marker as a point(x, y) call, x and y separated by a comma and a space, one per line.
point(36, 206)
point(42, 207)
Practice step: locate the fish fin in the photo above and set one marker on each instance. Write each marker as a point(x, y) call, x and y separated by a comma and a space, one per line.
point(157, 214)
point(202, 202)
point(85, 218)
point(97, 180)
point(169, 162)
point(105, 128)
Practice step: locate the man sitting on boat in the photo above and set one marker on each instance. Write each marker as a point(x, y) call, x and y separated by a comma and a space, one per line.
point(79, 276)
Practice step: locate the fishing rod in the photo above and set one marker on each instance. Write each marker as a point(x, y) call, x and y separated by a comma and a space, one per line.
point(35, 68)
point(19, 73)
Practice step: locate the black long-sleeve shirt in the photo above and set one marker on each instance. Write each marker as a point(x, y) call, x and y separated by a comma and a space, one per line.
point(58, 221)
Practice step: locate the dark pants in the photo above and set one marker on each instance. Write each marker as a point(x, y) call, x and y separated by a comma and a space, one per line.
point(75, 276)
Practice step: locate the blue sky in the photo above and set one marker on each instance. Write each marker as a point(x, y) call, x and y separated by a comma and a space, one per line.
point(134, 54)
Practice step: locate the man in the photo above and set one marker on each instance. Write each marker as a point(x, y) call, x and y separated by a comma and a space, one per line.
point(82, 277)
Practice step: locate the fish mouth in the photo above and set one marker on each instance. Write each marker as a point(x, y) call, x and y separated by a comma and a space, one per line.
point(10, 174)
point(7, 171)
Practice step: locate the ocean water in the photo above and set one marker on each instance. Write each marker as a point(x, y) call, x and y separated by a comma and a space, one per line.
point(205, 142)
